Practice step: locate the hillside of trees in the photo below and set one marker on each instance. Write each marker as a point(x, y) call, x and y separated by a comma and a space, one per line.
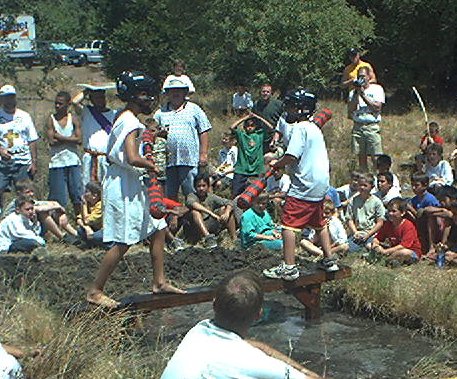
point(410, 42)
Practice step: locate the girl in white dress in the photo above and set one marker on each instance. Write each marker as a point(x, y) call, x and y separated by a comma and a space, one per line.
point(126, 217)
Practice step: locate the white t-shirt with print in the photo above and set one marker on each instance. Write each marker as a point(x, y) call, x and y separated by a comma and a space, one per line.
point(364, 114)
point(17, 131)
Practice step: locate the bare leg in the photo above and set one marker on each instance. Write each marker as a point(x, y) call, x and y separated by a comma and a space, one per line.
point(46, 219)
point(363, 163)
point(156, 246)
point(65, 224)
point(403, 255)
point(197, 218)
point(310, 247)
point(341, 250)
point(231, 227)
point(288, 237)
point(111, 259)
point(324, 237)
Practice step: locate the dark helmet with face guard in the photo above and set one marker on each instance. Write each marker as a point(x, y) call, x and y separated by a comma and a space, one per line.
point(130, 83)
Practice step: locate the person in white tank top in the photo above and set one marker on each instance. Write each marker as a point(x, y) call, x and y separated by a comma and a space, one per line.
point(63, 131)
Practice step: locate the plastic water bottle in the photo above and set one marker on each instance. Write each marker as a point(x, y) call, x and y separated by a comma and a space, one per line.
point(440, 259)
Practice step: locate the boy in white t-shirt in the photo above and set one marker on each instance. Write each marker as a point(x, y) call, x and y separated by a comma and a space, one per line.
point(307, 158)
point(20, 231)
point(228, 156)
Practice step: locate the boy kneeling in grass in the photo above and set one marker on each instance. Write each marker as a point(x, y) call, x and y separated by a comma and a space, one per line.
point(397, 239)
point(20, 231)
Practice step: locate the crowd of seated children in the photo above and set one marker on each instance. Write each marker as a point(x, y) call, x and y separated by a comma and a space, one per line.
point(20, 231)
point(397, 239)
point(338, 235)
point(434, 136)
point(250, 138)
point(386, 190)
point(365, 215)
point(257, 227)
point(437, 169)
point(209, 214)
point(51, 215)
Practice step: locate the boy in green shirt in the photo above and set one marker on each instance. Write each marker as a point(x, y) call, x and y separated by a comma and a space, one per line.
point(250, 138)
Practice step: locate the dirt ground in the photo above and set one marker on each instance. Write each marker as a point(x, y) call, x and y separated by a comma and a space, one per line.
point(62, 276)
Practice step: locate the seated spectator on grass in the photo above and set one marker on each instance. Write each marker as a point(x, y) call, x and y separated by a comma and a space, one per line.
point(90, 221)
point(10, 368)
point(420, 162)
point(384, 165)
point(338, 235)
point(228, 155)
point(416, 210)
point(209, 215)
point(51, 214)
point(176, 213)
point(218, 348)
point(20, 231)
point(348, 191)
point(438, 170)
point(277, 187)
point(397, 239)
point(434, 136)
point(386, 190)
point(365, 215)
point(241, 101)
point(257, 227)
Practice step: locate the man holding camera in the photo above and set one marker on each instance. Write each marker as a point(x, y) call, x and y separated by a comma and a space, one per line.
point(364, 108)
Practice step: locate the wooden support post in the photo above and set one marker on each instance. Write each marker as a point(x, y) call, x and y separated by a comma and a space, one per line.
point(310, 297)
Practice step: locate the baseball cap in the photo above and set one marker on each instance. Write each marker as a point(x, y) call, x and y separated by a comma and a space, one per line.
point(175, 83)
point(7, 89)
point(352, 52)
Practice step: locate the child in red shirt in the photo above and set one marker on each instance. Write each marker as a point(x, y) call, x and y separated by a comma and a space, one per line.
point(397, 239)
point(433, 137)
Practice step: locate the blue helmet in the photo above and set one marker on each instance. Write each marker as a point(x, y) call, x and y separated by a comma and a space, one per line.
point(302, 99)
point(130, 83)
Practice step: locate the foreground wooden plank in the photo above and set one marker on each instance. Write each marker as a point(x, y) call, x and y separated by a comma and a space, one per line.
point(306, 289)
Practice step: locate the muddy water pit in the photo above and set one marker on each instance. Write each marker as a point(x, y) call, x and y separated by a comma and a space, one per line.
point(339, 345)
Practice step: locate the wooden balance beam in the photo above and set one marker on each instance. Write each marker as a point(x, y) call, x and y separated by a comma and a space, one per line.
point(306, 289)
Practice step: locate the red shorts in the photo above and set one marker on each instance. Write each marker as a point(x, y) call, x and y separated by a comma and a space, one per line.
point(298, 214)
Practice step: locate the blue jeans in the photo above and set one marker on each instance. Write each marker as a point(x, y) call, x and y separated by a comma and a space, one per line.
point(180, 176)
point(11, 172)
point(96, 240)
point(355, 247)
point(23, 245)
point(64, 181)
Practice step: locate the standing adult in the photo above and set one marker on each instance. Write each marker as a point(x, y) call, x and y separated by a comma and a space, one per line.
point(218, 348)
point(350, 71)
point(126, 218)
point(179, 72)
point(270, 109)
point(18, 137)
point(364, 108)
point(96, 123)
point(187, 141)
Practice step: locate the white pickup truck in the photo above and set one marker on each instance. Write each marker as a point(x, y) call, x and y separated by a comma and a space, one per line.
point(93, 50)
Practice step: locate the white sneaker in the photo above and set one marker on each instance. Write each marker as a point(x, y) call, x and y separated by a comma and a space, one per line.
point(282, 272)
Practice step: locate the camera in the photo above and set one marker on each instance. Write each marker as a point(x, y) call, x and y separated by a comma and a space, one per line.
point(360, 81)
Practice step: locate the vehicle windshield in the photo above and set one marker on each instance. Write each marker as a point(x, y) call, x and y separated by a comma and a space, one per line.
point(60, 46)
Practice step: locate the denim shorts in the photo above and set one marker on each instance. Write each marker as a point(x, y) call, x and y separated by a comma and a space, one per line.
point(11, 172)
point(64, 181)
point(180, 176)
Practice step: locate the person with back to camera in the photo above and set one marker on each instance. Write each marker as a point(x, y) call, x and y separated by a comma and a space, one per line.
point(364, 108)
point(307, 160)
point(218, 348)
point(126, 218)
